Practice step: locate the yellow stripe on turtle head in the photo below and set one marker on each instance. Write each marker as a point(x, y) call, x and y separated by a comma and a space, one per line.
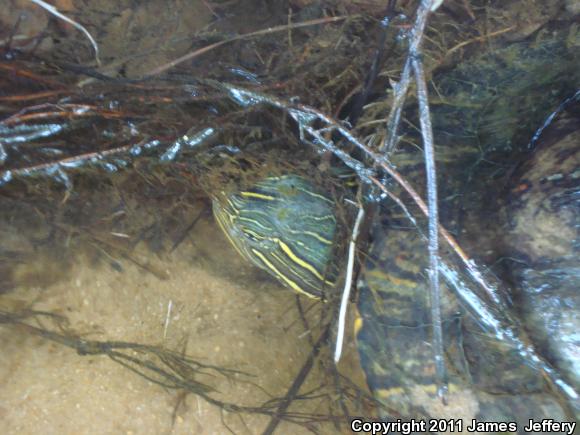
point(267, 225)
point(247, 194)
point(280, 275)
point(286, 249)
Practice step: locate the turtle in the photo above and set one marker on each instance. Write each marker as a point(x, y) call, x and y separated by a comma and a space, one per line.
point(286, 226)
point(490, 379)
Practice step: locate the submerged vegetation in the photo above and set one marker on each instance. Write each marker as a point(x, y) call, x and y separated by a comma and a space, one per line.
point(118, 162)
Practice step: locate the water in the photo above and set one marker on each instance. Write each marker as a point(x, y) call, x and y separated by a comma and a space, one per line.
point(212, 305)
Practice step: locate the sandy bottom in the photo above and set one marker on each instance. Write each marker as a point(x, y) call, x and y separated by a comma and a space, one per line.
point(213, 305)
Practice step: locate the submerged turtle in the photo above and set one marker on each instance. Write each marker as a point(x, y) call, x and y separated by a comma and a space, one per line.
point(286, 227)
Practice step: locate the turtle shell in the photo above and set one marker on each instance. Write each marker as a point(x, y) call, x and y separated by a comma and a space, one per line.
point(489, 378)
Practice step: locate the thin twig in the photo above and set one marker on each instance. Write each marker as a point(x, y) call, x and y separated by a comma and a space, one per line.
point(199, 52)
point(32, 96)
point(402, 87)
point(467, 262)
point(468, 9)
point(14, 70)
point(435, 291)
point(347, 285)
point(399, 94)
point(167, 318)
point(54, 11)
point(70, 161)
point(184, 234)
point(479, 38)
point(296, 385)
point(64, 111)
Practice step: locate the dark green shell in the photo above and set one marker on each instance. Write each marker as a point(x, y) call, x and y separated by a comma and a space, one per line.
point(488, 380)
point(285, 227)
point(488, 377)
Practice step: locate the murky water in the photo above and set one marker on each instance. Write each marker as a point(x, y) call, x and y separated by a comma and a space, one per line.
point(213, 306)
point(134, 258)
